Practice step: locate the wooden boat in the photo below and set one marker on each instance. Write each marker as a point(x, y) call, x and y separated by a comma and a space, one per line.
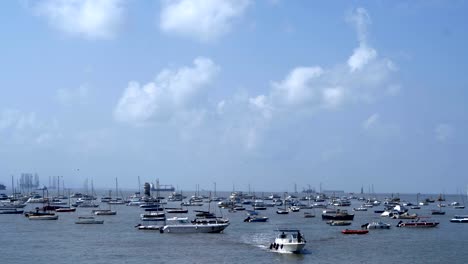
point(422, 224)
point(355, 231)
point(288, 241)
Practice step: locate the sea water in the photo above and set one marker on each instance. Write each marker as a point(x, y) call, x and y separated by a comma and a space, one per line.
point(118, 241)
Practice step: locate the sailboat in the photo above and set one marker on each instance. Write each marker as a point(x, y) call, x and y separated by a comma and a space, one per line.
point(66, 209)
point(105, 211)
point(117, 200)
point(283, 210)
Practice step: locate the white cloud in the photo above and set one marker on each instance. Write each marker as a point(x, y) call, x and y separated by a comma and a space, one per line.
point(69, 97)
point(170, 92)
point(361, 79)
point(363, 54)
point(371, 121)
point(444, 132)
point(92, 19)
point(205, 20)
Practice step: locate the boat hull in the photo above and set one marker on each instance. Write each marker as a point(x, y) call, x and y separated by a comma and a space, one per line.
point(43, 217)
point(288, 247)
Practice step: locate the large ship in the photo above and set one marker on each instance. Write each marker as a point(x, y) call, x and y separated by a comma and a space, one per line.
point(161, 187)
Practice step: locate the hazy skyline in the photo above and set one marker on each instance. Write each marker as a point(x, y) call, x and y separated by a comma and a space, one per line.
point(265, 94)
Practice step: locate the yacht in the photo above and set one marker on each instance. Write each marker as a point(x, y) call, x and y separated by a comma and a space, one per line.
point(183, 225)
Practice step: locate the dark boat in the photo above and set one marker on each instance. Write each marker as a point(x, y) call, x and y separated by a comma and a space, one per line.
point(422, 224)
point(338, 215)
point(355, 231)
point(65, 210)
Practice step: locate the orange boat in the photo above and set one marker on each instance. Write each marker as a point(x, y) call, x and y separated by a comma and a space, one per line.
point(355, 231)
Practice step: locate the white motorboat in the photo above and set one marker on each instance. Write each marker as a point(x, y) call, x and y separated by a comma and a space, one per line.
point(459, 219)
point(88, 220)
point(376, 225)
point(104, 212)
point(183, 225)
point(288, 241)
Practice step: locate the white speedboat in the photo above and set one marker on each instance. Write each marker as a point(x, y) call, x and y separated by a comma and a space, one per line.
point(376, 225)
point(288, 241)
point(183, 225)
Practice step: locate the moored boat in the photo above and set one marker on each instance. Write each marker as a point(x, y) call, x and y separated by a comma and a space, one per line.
point(459, 219)
point(355, 231)
point(376, 225)
point(43, 217)
point(183, 225)
point(338, 223)
point(338, 215)
point(422, 224)
point(88, 220)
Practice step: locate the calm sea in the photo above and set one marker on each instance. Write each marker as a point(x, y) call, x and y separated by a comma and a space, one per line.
point(117, 240)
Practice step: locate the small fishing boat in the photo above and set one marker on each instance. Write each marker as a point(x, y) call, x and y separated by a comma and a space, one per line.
point(422, 224)
point(288, 241)
point(355, 231)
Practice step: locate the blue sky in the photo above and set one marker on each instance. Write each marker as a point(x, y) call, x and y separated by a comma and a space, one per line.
point(266, 93)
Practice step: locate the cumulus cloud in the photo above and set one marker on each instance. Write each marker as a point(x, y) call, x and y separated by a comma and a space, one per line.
point(444, 132)
point(363, 54)
point(170, 92)
point(204, 20)
point(363, 77)
point(92, 19)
